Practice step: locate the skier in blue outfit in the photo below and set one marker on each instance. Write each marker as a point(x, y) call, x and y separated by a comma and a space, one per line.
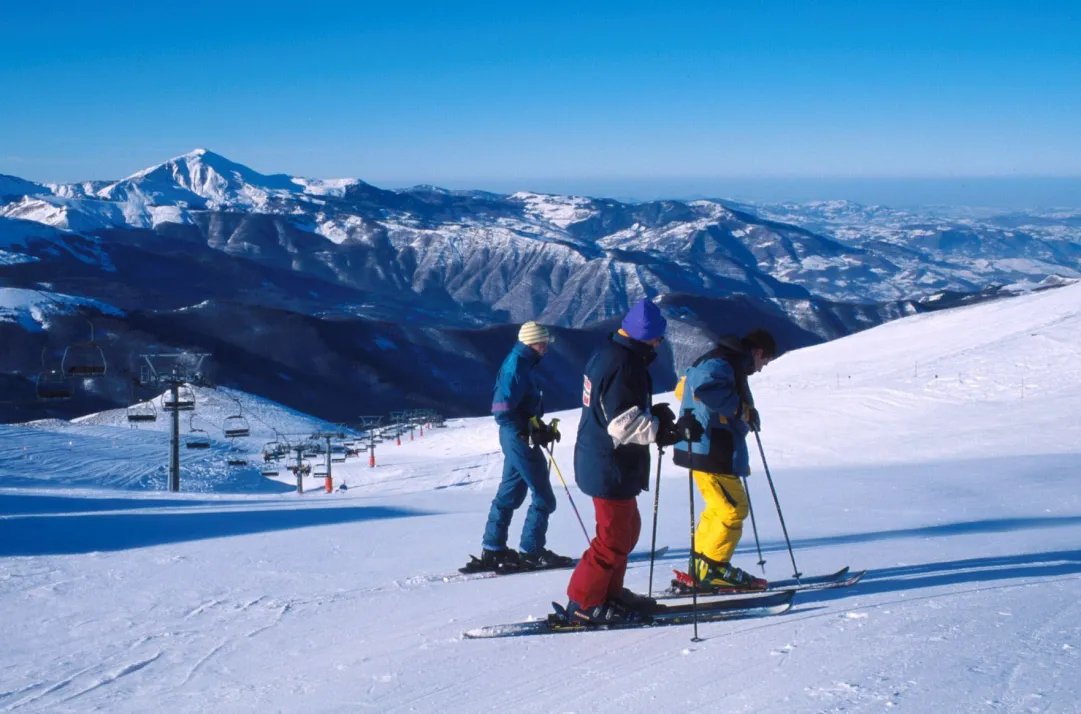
point(518, 409)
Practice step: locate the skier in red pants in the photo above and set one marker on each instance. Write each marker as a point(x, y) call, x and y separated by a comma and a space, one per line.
point(611, 463)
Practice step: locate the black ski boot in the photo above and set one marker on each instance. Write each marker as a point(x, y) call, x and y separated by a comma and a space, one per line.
point(501, 561)
point(498, 561)
point(607, 613)
point(543, 560)
point(634, 602)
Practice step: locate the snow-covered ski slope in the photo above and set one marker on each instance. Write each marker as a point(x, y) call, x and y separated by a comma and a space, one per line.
point(942, 452)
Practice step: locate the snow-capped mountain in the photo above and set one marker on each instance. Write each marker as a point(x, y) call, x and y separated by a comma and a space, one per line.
point(318, 275)
point(565, 260)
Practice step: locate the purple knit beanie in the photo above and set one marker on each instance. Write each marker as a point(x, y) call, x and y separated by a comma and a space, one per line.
point(644, 321)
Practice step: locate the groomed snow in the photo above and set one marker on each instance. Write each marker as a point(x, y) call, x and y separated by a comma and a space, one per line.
point(939, 451)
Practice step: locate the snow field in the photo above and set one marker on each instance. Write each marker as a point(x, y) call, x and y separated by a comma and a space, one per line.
point(958, 494)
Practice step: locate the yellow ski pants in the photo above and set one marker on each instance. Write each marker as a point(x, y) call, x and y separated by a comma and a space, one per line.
point(721, 525)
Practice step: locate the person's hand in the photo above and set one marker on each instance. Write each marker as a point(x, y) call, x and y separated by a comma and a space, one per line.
point(663, 412)
point(689, 428)
point(667, 435)
point(544, 434)
point(753, 420)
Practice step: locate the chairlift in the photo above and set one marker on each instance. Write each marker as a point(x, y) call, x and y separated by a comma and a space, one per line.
point(235, 426)
point(270, 472)
point(237, 462)
point(338, 459)
point(84, 359)
point(142, 411)
point(53, 385)
point(196, 438)
point(185, 399)
point(321, 472)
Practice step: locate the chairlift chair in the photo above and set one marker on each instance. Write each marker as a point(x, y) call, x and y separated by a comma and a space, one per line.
point(237, 462)
point(338, 459)
point(321, 472)
point(235, 426)
point(143, 411)
point(196, 438)
point(269, 472)
point(185, 399)
point(52, 385)
point(84, 359)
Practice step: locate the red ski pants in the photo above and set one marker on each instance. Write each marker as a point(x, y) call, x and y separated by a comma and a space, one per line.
point(599, 575)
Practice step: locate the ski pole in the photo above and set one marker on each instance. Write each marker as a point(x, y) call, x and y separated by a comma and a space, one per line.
point(552, 462)
point(656, 502)
point(795, 571)
point(754, 526)
point(694, 565)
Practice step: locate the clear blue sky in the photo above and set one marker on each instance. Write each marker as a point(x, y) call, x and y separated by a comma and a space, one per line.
point(546, 95)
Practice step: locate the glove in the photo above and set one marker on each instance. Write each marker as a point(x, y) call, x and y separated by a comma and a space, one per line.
point(544, 434)
point(663, 412)
point(689, 428)
point(753, 419)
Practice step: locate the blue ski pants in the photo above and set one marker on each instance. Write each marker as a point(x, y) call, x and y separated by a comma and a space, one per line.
point(524, 470)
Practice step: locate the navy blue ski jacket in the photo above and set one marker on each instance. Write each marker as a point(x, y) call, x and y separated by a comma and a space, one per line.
point(611, 456)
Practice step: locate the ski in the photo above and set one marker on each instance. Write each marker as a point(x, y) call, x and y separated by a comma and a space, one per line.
point(711, 611)
point(465, 574)
point(681, 586)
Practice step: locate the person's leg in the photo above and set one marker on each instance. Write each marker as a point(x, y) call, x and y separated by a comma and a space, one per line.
point(606, 558)
point(731, 517)
point(508, 497)
point(535, 472)
point(721, 525)
point(615, 586)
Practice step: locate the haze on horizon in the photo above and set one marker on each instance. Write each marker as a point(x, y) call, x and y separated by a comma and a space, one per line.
point(901, 103)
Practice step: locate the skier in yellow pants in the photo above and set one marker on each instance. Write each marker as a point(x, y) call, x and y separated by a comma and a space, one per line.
point(715, 389)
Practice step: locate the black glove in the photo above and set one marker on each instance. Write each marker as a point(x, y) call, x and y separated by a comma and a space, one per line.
point(689, 428)
point(753, 420)
point(667, 435)
point(663, 412)
point(544, 434)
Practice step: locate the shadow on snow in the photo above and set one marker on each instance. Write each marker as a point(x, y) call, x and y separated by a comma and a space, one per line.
point(78, 534)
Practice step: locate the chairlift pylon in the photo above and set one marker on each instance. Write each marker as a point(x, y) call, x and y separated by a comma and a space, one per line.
point(84, 359)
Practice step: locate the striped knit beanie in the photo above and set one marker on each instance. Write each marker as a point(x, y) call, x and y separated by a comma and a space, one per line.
point(532, 333)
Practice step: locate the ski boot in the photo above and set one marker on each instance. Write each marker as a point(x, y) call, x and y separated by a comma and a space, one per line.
point(719, 577)
point(607, 613)
point(498, 561)
point(543, 560)
point(634, 602)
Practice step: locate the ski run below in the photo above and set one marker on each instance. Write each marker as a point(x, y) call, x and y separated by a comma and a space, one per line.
point(940, 452)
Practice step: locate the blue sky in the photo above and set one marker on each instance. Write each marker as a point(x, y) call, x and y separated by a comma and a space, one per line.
point(613, 97)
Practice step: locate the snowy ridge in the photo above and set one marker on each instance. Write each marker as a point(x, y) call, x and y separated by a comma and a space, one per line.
point(568, 260)
point(32, 308)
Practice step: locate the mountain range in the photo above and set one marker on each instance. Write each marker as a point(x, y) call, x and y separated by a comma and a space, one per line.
point(202, 252)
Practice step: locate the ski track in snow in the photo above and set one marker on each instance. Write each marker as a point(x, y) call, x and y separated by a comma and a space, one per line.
point(909, 450)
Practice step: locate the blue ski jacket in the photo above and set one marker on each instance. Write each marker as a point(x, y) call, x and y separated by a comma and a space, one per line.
point(715, 389)
point(517, 398)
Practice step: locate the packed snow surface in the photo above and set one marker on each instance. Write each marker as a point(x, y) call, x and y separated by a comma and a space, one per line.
point(941, 452)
